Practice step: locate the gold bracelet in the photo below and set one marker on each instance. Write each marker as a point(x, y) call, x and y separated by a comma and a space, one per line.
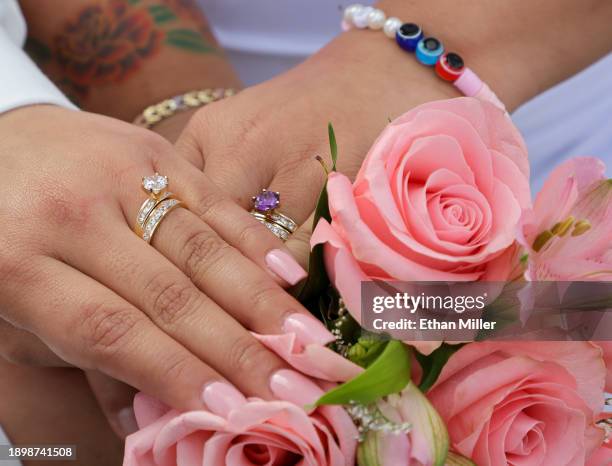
point(166, 108)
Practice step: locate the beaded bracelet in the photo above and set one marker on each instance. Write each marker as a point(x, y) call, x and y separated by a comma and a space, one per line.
point(428, 50)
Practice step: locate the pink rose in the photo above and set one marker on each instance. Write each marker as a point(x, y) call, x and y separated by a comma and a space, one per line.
point(568, 230)
point(438, 197)
point(523, 403)
point(236, 431)
point(243, 432)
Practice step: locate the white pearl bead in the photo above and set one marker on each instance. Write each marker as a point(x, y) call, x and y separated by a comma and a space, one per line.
point(360, 17)
point(350, 10)
point(376, 19)
point(391, 26)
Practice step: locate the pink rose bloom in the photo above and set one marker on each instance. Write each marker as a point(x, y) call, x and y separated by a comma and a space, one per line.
point(568, 230)
point(438, 198)
point(606, 347)
point(236, 431)
point(250, 432)
point(523, 403)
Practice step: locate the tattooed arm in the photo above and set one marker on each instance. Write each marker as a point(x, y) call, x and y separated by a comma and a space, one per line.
point(116, 57)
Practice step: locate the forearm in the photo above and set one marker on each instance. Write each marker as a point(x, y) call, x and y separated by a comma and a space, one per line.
point(116, 57)
point(520, 47)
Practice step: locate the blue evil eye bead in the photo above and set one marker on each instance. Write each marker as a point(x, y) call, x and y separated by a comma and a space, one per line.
point(408, 36)
point(429, 50)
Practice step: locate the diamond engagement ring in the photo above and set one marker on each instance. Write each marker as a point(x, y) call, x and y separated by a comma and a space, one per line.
point(264, 210)
point(156, 207)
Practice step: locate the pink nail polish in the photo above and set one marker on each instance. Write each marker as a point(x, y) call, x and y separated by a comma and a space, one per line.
point(288, 385)
point(307, 329)
point(285, 266)
point(220, 398)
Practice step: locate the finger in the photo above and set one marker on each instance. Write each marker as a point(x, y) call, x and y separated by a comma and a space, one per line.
point(300, 186)
point(91, 327)
point(144, 277)
point(115, 400)
point(20, 347)
point(255, 301)
point(299, 242)
point(231, 222)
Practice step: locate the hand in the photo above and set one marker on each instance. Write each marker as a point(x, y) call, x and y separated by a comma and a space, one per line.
point(87, 291)
point(268, 136)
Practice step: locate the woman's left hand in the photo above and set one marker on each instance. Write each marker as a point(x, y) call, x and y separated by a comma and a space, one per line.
point(268, 136)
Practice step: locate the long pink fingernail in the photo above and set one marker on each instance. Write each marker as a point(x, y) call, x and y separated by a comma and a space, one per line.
point(285, 266)
point(220, 398)
point(292, 386)
point(307, 329)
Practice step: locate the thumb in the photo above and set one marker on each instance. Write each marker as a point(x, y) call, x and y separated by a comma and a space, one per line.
point(115, 399)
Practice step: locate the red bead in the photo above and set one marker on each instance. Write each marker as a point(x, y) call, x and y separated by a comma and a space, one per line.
point(449, 66)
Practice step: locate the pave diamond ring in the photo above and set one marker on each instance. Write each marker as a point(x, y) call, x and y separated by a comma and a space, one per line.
point(156, 207)
point(264, 210)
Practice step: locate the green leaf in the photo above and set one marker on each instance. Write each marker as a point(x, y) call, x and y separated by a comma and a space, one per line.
point(188, 39)
point(367, 451)
point(161, 14)
point(317, 280)
point(133, 2)
point(333, 146)
point(454, 459)
point(390, 373)
point(432, 365)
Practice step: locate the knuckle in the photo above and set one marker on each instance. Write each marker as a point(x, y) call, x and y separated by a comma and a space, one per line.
point(209, 203)
point(263, 295)
point(172, 302)
point(201, 251)
point(153, 144)
point(176, 367)
point(60, 208)
point(248, 355)
point(105, 329)
point(252, 232)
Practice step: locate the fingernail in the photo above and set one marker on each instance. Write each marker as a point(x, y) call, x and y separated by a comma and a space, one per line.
point(288, 385)
point(307, 329)
point(220, 398)
point(285, 266)
point(127, 421)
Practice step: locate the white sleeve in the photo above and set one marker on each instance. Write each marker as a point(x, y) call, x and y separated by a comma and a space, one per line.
point(21, 82)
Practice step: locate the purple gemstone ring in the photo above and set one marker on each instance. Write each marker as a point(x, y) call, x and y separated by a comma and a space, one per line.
point(264, 210)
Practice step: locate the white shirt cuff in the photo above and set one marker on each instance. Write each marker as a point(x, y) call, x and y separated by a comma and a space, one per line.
point(21, 82)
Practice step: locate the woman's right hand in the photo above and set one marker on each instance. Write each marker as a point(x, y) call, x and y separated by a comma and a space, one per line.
point(168, 319)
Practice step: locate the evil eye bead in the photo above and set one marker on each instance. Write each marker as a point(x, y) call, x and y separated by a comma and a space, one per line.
point(429, 50)
point(450, 66)
point(408, 36)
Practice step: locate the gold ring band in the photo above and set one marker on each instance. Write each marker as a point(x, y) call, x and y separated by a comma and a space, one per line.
point(162, 209)
point(145, 210)
point(276, 217)
point(156, 207)
point(277, 230)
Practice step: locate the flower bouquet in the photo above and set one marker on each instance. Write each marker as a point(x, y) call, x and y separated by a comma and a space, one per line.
point(442, 196)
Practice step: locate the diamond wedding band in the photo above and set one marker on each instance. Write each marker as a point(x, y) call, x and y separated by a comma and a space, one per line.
point(159, 204)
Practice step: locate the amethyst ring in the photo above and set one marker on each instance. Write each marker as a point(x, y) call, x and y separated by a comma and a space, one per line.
point(264, 210)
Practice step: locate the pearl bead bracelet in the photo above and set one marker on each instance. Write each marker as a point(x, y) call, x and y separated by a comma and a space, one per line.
point(428, 50)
